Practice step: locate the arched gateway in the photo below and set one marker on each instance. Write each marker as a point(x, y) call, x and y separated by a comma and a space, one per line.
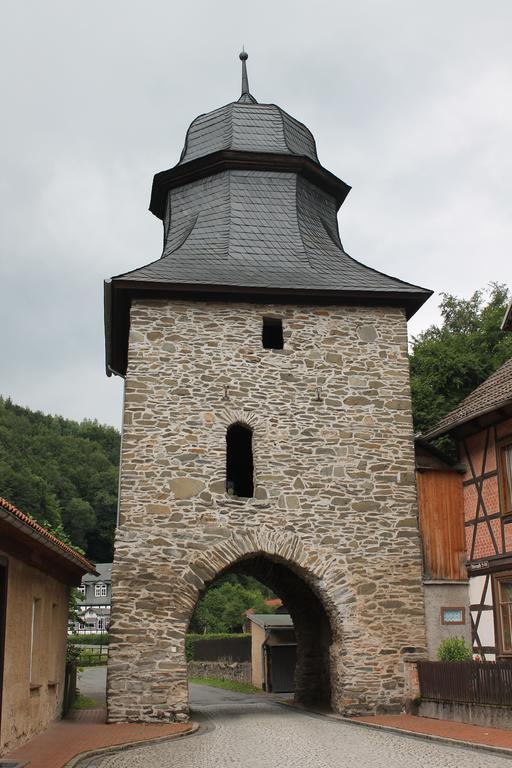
point(267, 425)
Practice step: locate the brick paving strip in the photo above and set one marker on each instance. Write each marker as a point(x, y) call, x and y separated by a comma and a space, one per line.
point(497, 740)
point(67, 741)
point(493, 739)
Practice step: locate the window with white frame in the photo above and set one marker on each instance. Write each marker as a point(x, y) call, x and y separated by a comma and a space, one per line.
point(505, 476)
point(503, 583)
point(100, 590)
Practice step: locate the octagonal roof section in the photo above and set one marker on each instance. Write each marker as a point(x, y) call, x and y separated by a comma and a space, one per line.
point(248, 127)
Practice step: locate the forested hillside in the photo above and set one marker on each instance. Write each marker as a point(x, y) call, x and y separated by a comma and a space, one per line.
point(62, 473)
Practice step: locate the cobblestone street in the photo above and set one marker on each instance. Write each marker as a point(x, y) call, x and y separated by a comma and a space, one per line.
point(256, 732)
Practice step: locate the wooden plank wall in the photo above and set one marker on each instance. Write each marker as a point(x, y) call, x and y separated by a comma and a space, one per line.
point(441, 510)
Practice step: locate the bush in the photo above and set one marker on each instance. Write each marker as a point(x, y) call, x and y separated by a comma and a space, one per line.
point(191, 639)
point(99, 639)
point(454, 649)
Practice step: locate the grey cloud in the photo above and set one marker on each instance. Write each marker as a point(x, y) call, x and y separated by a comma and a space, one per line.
point(409, 103)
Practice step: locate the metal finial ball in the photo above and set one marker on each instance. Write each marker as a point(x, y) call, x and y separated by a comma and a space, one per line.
point(244, 56)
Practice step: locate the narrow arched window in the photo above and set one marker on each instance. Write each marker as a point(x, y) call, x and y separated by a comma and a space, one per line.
point(239, 464)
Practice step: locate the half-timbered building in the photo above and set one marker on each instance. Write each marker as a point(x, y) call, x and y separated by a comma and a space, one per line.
point(482, 428)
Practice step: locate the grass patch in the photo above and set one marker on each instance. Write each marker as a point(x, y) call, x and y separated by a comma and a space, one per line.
point(91, 658)
point(228, 685)
point(96, 639)
point(84, 702)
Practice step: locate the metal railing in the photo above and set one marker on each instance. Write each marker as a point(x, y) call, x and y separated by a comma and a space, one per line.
point(468, 682)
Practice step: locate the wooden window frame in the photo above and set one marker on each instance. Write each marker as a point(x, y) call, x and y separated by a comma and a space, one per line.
point(498, 625)
point(504, 494)
point(453, 608)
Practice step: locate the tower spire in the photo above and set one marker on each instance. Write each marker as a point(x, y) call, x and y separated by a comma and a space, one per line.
point(246, 97)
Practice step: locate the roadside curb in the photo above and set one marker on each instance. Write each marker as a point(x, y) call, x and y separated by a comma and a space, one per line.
point(402, 731)
point(91, 753)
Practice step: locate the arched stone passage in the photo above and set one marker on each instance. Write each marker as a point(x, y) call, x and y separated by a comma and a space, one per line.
point(310, 619)
point(310, 583)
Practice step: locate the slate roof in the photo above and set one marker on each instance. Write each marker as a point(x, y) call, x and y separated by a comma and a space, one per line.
point(260, 229)
point(103, 571)
point(249, 211)
point(493, 394)
point(248, 126)
point(272, 620)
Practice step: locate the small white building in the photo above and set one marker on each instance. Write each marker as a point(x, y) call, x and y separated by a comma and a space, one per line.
point(95, 596)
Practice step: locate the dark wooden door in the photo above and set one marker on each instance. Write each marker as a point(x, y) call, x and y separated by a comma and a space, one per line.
point(282, 668)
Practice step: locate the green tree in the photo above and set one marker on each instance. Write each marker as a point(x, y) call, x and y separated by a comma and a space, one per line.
point(223, 607)
point(61, 472)
point(78, 519)
point(450, 360)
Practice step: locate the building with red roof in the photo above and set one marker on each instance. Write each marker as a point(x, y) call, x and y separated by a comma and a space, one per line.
point(37, 571)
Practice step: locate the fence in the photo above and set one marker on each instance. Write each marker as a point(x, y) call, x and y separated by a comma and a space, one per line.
point(92, 657)
point(69, 687)
point(468, 682)
point(233, 648)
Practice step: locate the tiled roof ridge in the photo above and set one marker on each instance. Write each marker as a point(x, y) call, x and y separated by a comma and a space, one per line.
point(19, 515)
point(472, 405)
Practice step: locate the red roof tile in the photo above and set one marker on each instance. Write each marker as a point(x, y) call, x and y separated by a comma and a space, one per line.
point(67, 551)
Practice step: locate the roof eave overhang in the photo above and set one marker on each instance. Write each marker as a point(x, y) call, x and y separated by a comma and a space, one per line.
point(475, 422)
point(120, 292)
point(421, 442)
point(224, 160)
point(24, 533)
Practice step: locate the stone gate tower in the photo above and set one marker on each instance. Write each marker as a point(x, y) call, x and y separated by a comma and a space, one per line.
point(267, 422)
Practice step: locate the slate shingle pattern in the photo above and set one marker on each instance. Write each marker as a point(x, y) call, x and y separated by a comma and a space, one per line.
point(242, 216)
point(494, 392)
point(258, 229)
point(249, 127)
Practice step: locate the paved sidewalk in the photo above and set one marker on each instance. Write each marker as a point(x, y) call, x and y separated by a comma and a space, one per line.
point(84, 732)
point(446, 729)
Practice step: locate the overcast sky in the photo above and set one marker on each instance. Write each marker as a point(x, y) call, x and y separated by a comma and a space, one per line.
point(409, 101)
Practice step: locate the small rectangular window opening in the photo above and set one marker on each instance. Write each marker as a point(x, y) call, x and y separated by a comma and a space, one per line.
point(272, 333)
point(453, 615)
point(35, 637)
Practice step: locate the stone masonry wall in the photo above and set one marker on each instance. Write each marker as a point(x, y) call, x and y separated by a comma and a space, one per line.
point(335, 495)
point(239, 671)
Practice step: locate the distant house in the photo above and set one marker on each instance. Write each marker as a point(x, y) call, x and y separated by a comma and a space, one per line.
point(272, 602)
point(95, 597)
point(273, 652)
point(36, 573)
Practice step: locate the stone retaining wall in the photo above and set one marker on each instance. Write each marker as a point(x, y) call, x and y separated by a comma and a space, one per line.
point(477, 714)
point(240, 671)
